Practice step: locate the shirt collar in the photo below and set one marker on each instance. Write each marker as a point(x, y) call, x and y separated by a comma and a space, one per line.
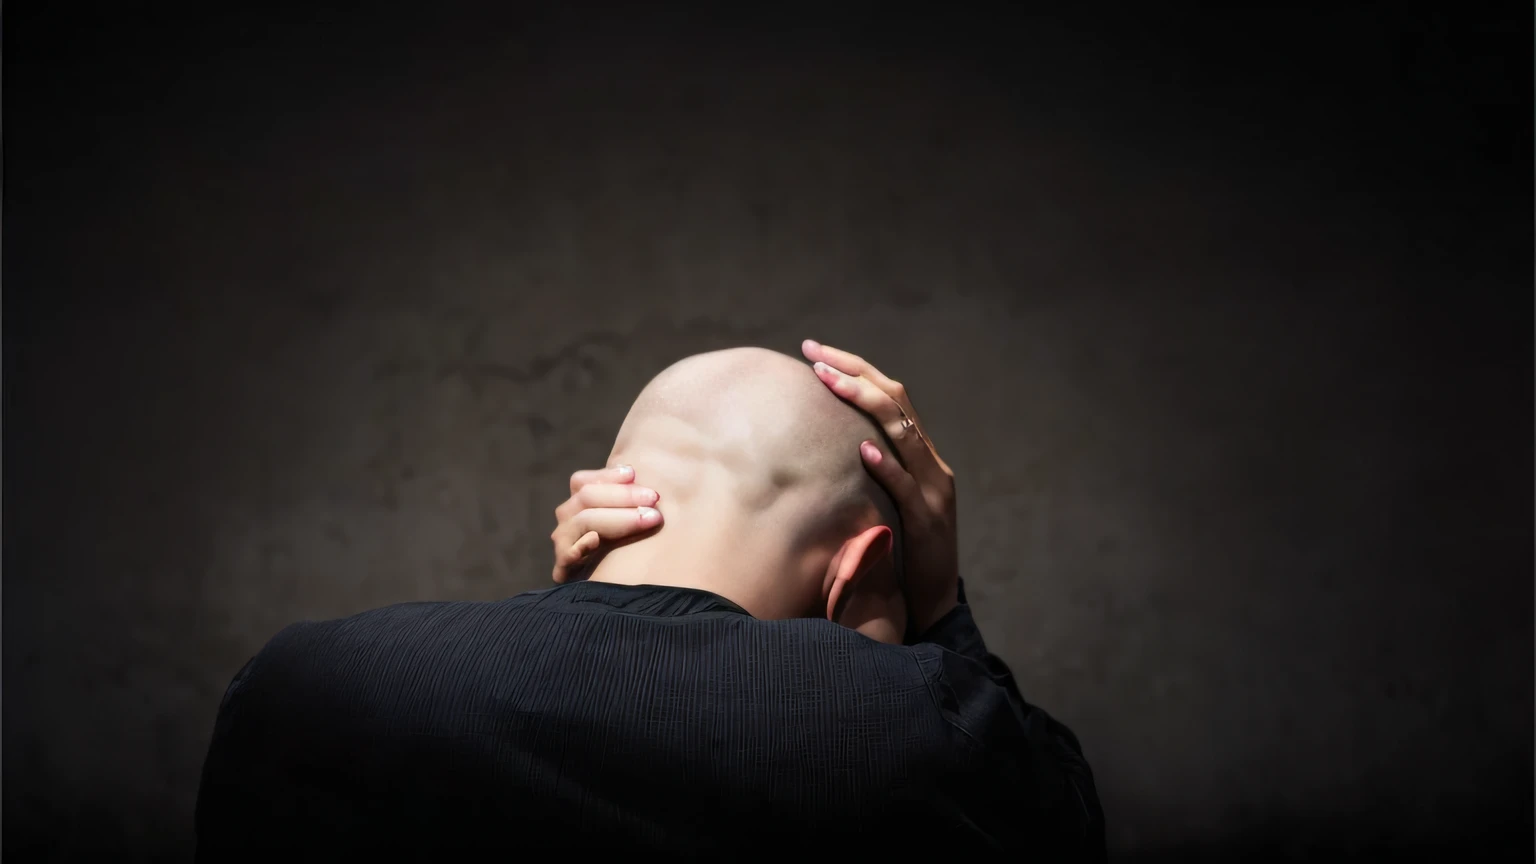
point(655, 600)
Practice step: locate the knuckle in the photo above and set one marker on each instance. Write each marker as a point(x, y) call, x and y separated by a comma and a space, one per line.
point(898, 389)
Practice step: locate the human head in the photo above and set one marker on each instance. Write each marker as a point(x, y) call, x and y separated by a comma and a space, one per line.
point(758, 466)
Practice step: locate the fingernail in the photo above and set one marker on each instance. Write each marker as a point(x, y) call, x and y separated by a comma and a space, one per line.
point(626, 470)
point(810, 345)
point(823, 369)
point(649, 496)
point(648, 515)
point(871, 453)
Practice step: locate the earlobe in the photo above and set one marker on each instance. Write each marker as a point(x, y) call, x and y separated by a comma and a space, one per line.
point(832, 587)
point(834, 597)
point(852, 561)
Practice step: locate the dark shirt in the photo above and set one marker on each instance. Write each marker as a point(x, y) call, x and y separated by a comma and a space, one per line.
point(599, 716)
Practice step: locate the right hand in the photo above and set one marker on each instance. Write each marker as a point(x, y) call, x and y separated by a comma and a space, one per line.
point(605, 506)
point(922, 485)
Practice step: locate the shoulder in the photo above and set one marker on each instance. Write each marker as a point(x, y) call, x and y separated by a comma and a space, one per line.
point(848, 666)
point(314, 650)
point(303, 637)
point(815, 635)
point(396, 622)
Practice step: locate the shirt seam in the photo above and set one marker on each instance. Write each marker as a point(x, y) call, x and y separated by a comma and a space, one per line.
point(938, 701)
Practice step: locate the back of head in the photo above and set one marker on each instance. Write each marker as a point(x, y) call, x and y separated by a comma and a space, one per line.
point(748, 447)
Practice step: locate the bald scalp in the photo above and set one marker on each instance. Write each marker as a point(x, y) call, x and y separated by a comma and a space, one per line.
point(763, 424)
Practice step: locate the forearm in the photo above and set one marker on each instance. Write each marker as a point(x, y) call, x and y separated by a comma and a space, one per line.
point(949, 626)
point(1021, 742)
point(928, 605)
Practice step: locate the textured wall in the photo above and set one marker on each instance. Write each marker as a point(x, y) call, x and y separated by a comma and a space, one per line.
point(1223, 326)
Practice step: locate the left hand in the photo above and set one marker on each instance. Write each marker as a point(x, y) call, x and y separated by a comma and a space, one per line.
point(605, 506)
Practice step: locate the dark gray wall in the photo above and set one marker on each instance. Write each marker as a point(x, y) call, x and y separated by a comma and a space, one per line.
point(1223, 325)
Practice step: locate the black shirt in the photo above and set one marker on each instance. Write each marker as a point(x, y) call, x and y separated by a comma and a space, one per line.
point(620, 717)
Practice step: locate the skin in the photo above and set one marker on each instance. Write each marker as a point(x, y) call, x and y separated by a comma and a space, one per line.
point(766, 543)
point(918, 480)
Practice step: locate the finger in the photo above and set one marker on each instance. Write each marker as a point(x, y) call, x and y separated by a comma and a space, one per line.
point(610, 523)
point(576, 538)
point(901, 485)
point(616, 474)
point(852, 364)
point(606, 495)
point(913, 451)
point(578, 552)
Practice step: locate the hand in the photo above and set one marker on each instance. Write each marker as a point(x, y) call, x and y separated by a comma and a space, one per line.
point(922, 485)
point(605, 506)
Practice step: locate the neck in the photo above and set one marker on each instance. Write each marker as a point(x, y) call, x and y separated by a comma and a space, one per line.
point(698, 548)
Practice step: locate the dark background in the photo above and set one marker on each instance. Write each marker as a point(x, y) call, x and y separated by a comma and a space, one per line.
point(1221, 317)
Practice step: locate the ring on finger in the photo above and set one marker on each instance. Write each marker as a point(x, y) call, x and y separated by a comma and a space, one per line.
point(908, 424)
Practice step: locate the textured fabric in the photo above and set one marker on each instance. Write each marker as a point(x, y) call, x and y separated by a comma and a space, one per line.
point(596, 716)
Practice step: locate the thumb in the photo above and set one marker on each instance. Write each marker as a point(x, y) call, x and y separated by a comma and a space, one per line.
point(902, 488)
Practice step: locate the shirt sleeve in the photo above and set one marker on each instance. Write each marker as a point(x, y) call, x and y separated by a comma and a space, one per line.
point(218, 808)
point(242, 781)
point(1026, 784)
point(956, 631)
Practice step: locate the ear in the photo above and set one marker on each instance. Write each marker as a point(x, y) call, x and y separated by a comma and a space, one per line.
point(852, 561)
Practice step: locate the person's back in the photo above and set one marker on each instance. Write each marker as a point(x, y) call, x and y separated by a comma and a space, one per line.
point(588, 714)
point(643, 716)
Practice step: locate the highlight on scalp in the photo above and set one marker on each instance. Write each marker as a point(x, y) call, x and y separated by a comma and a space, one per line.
point(788, 444)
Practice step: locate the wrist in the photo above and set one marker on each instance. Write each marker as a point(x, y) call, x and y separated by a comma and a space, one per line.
point(925, 610)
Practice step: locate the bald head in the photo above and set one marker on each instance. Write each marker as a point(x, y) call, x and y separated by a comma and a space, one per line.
point(764, 436)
